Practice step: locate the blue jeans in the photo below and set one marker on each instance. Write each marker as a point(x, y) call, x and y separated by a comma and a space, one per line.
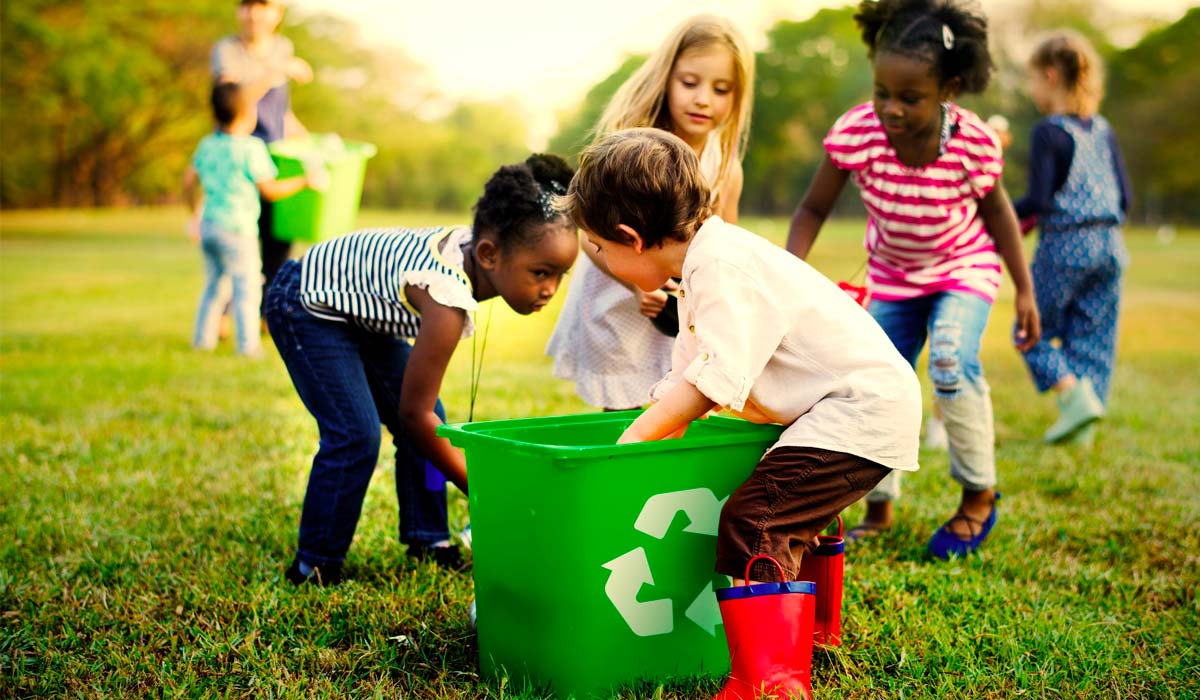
point(228, 253)
point(953, 323)
point(349, 380)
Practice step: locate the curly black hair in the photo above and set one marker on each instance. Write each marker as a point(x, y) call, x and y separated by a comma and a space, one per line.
point(520, 197)
point(950, 36)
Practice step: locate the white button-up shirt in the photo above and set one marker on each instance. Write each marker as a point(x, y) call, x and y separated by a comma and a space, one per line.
point(768, 337)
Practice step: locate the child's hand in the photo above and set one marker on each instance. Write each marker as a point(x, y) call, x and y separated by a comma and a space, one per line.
point(1029, 324)
point(316, 175)
point(651, 303)
point(298, 69)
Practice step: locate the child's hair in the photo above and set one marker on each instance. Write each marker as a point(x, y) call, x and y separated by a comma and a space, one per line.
point(518, 198)
point(642, 98)
point(647, 179)
point(227, 101)
point(1078, 66)
point(943, 32)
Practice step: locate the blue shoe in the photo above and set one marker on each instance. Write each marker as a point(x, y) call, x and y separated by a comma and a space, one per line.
point(945, 543)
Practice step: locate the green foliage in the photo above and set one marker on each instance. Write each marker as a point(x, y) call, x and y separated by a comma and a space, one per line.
point(1158, 129)
point(151, 497)
point(103, 103)
point(576, 130)
point(810, 73)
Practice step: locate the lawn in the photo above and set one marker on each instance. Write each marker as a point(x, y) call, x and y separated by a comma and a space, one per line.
point(151, 494)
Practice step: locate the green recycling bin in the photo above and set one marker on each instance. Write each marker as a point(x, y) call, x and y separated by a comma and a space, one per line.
point(310, 216)
point(593, 562)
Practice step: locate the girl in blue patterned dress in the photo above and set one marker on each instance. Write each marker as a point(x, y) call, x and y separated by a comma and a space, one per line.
point(343, 317)
point(1079, 194)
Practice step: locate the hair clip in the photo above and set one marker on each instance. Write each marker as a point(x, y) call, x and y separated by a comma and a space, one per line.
point(947, 37)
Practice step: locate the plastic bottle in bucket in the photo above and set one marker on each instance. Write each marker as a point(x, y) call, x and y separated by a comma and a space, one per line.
point(769, 630)
point(825, 567)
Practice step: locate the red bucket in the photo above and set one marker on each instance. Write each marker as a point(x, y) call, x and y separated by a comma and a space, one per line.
point(825, 566)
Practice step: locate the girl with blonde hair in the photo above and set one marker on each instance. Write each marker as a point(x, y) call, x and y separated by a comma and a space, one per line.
point(612, 339)
point(1079, 194)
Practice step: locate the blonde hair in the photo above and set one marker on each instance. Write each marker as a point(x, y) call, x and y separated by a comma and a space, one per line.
point(1078, 66)
point(641, 101)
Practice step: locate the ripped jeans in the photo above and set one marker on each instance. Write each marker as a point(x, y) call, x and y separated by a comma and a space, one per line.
point(953, 322)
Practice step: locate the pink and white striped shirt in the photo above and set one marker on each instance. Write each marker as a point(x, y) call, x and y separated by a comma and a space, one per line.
point(924, 232)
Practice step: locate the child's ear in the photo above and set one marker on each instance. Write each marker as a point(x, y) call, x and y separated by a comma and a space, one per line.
point(487, 253)
point(950, 89)
point(635, 238)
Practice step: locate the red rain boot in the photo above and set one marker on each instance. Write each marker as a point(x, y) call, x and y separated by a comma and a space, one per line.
point(825, 566)
point(769, 628)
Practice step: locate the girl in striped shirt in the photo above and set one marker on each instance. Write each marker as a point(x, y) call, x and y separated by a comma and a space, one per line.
point(938, 224)
point(343, 317)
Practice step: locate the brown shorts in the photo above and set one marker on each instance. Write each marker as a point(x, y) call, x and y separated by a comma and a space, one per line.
point(793, 494)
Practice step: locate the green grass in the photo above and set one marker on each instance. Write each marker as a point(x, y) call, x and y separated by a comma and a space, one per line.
point(150, 499)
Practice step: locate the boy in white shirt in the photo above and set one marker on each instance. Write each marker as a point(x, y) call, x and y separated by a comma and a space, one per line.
point(762, 334)
point(769, 338)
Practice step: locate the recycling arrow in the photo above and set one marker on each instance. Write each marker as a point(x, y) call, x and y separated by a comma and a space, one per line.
point(705, 611)
point(700, 505)
point(630, 572)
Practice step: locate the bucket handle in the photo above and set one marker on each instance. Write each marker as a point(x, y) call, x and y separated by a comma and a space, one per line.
point(768, 557)
point(839, 519)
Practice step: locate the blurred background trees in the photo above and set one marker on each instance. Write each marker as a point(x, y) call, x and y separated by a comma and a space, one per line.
point(102, 104)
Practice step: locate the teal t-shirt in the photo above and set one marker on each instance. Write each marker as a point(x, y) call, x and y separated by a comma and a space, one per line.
point(230, 168)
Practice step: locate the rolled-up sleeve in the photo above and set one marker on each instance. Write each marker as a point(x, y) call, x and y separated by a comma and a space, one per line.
point(737, 325)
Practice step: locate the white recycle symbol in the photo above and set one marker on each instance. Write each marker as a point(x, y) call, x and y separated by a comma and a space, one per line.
point(631, 570)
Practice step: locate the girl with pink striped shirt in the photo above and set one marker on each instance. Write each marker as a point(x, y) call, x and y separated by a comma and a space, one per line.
point(939, 222)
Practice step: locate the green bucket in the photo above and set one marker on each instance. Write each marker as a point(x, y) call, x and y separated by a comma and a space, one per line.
point(593, 562)
point(311, 216)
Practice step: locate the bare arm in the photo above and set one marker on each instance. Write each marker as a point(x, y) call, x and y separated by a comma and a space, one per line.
point(441, 329)
point(274, 190)
point(292, 128)
point(818, 201)
point(1001, 221)
point(670, 416)
point(192, 193)
point(731, 193)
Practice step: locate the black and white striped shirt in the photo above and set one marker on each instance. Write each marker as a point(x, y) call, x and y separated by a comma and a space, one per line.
point(360, 277)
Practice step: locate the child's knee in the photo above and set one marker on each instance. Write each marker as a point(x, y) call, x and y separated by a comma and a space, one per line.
point(949, 366)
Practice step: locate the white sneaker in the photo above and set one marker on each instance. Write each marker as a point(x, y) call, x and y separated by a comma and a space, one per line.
point(471, 613)
point(465, 536)
point(935, 434)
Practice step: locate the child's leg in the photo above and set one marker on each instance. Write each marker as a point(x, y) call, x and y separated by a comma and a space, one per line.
point(904, 322)
point(964, 398)
point(794, 493)
point(243, 264)
point(1089, 338)
point(323, 360)
point(204, 336)
point(420, 488)
point(1055, 287)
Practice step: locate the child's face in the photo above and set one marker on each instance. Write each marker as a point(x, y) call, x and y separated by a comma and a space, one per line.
point(1042, 85)
point(259, 19)
point(700, 92)
point(628, 263)
point(528, 276)
point(908, 96)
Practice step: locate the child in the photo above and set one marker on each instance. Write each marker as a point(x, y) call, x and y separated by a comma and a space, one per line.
point(234, 170)
point(697, 85)
point(1079, 192)
point(762, 334)
point(263, 62)
point(342, 317)
point(938, 215)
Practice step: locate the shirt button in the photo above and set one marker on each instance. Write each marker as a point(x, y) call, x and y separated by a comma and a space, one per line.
point(682, 293)
point(692, 329)
point(704, 356)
